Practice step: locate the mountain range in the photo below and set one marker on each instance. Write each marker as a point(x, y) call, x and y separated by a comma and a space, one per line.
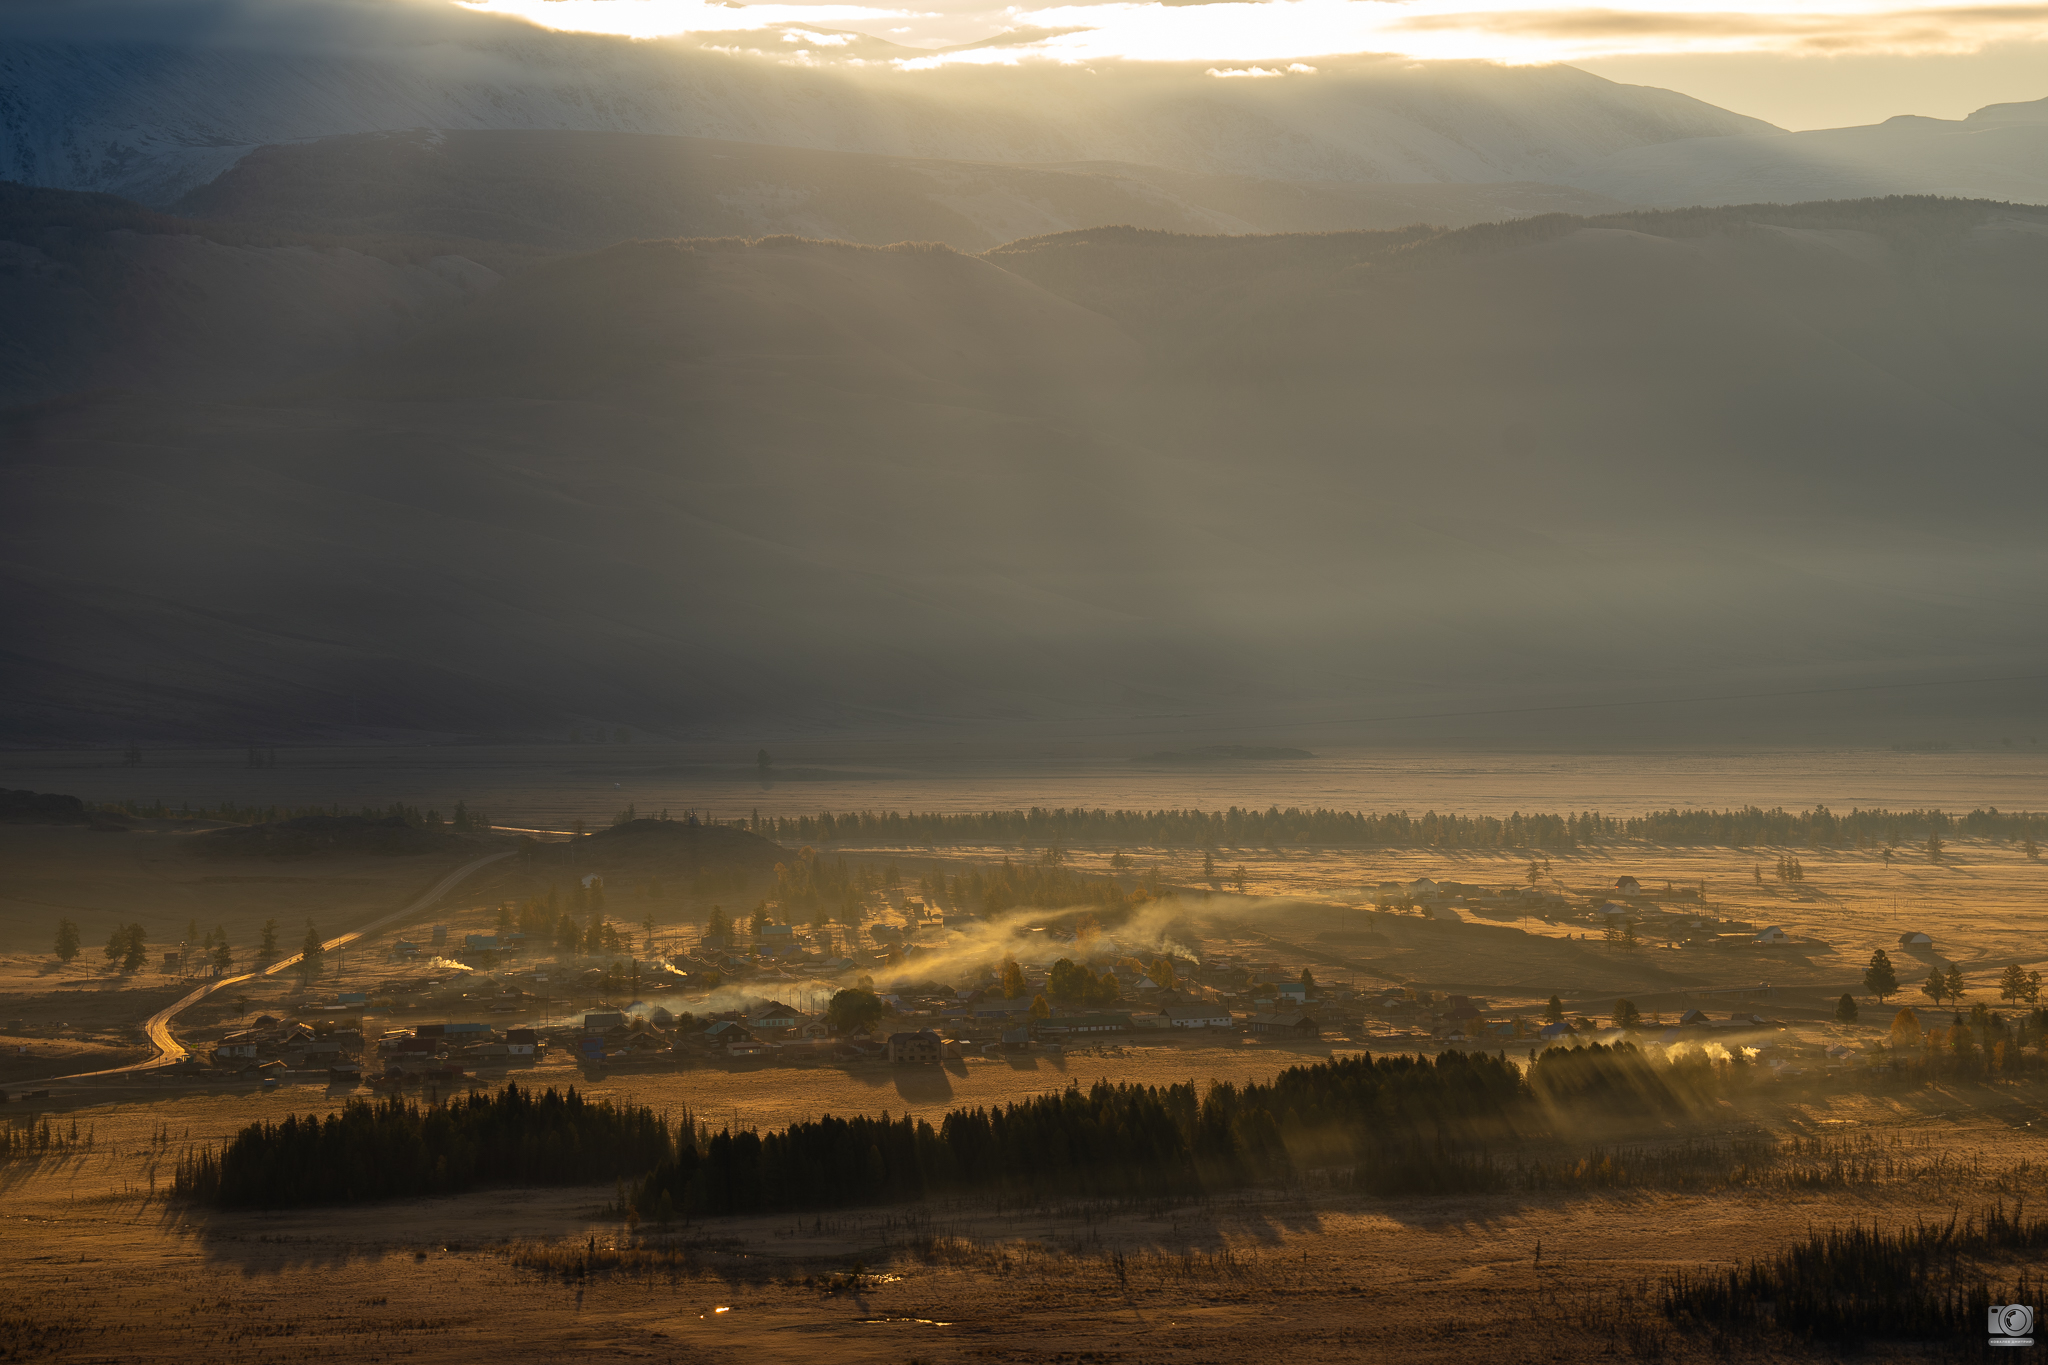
point(692, 486)
point(447, 378)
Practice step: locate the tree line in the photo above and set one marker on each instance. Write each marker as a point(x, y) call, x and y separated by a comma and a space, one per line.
point(1401, 1121)
point(397, 1149)
point(1917, 1283)
point(1058, 827)
point(461, 820)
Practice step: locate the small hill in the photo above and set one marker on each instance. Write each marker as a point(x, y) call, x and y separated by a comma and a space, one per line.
point(308, 835)
point(40, 808)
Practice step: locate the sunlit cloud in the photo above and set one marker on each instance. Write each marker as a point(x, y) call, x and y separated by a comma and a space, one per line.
point(1246, 36)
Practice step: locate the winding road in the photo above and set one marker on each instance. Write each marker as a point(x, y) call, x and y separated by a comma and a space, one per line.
point(170, 1051)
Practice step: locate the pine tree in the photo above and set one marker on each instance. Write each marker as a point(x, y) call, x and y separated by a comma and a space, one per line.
point(1935, 987)
point(1208, 866)
point(67, 940)
point(1553, 1011)
point(1935, 847)
point(134, 955)
point(268, 952)
point(2013, 985)
point(1879, 978)
point(312, 956)
point(223, 955)
point(1626, 1015)
point(1845, 1009)
point(1013, 980)
point(1956, 987)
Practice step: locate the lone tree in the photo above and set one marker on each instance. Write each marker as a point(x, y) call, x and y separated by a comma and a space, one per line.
point(1039, 1008)
point(1879, 978)
point(134, 954)
point(1935, 987)
point(1308, 982)
point(1553, 1012)
point(853, 1009)
point(1935, 847)
point(1845, 1009)
point(67, 940)
point(268, 952)
point(223, 956)
point(1905, 1030)
point(311, 956)
point(1626, 1015)
point(1957, 988)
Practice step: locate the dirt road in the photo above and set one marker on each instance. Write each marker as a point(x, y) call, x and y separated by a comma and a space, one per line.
point(169, 1050)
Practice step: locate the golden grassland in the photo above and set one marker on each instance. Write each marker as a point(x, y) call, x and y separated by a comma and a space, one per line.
point(101, 1268)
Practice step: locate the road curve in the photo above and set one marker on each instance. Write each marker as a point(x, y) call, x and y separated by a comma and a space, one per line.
point(169, 1050)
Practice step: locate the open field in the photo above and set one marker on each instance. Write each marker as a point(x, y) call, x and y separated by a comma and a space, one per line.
point(102, 1270)
point(105, 1268)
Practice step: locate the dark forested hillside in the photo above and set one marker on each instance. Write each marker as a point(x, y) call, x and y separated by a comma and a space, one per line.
point(686, 485)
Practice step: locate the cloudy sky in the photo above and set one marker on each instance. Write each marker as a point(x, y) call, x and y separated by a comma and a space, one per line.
point(1798, 63)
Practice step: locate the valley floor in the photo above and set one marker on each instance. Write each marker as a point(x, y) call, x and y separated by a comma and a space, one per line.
point(102, 1268)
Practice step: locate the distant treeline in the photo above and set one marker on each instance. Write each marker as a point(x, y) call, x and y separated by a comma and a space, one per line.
point(1239, 827)
point(393, 1149)
point(1399, 1120)
point(462, 819)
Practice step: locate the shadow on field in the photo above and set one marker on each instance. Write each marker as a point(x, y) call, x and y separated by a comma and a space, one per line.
point(924, 1086)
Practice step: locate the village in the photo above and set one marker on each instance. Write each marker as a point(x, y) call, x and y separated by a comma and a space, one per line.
point(491, 1005)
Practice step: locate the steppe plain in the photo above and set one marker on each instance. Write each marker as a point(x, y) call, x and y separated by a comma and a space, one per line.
point(104, 1267)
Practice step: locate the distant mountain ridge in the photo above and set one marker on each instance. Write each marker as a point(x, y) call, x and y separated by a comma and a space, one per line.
point(1998, 152)
point(704, 487)
point(152, 120)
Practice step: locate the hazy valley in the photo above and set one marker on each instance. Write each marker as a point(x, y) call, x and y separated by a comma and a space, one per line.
point(773, 694)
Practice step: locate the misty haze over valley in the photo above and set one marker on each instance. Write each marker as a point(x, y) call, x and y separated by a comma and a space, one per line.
point(386, 371)
point(1122, 682)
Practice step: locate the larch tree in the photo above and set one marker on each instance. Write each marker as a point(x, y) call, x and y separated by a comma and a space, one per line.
point(312, 956)
point(1935, 987)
